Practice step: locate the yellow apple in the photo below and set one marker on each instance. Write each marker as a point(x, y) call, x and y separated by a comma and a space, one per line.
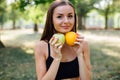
point(61, 37)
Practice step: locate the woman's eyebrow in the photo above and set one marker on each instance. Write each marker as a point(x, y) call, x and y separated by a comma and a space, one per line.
point(70, 13)
point(63, 14)
point(59, 13)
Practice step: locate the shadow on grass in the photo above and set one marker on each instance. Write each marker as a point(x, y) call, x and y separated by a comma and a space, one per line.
point(105, 67)
point(16, 64)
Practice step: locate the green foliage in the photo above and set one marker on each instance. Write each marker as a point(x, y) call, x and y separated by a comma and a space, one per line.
point(14, 11)
point(34, 10)
point(24, 3)
point(35, 13)
point(116, 4)
point(42, 1)
point(3, 11)
point(111, 8)
point(83, 6)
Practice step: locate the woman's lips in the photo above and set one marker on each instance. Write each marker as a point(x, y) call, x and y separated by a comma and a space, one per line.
point(65, 27)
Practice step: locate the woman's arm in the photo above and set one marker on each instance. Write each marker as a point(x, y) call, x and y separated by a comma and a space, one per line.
point(40, 60)
point(84, 62)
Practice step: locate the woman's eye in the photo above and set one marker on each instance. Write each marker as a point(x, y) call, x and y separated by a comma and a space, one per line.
point(70, 16)
point(59, 16)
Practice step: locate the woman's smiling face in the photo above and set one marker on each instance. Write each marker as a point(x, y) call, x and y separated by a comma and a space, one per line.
point(63, 18)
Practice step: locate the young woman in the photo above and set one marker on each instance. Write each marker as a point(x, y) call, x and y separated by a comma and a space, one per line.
point(56, 61)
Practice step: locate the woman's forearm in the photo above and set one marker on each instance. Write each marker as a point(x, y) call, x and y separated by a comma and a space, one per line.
point(85, 74)
point(52, 71)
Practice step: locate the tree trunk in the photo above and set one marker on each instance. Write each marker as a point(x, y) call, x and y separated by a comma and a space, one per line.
point(35, 27)
point(14, 22)
point(106, 17)
point(106, 20)
point(118, 22)
point(1, 44)
point(80, 23)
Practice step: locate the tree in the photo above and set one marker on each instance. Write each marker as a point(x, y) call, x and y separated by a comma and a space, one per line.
point(14, 12)
point(35, 13)
point(82, 8)
point(34, 10)
point(106, 8)
point(2, 17)
point(1, 43)
point(3, 12)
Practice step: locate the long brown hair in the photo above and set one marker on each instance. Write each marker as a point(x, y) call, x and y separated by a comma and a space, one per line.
point(49, 27)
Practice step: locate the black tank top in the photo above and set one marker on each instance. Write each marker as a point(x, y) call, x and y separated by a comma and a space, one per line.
point(66, 69)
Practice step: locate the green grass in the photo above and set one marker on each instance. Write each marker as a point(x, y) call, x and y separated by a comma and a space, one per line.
point(16, 64)
point(105, 55)
point(105, 67)
point(17, 59)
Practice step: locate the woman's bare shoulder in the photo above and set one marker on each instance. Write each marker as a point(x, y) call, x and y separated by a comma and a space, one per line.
point(86, 46)
point(40, 46)
point(85, 43)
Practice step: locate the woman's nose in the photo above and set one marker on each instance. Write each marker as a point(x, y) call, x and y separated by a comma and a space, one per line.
point(66, 20)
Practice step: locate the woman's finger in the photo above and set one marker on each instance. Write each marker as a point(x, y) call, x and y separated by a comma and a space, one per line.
point(59, 47)
point(58, 44)
point(77, 43)
point(51, 40)
point(79, 40)
point(54, 41)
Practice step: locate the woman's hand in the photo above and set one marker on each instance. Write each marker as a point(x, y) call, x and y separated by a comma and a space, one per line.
point(56, 47)
point(78, 47)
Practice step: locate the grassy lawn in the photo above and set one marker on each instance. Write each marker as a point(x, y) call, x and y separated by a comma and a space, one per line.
point(17, 59)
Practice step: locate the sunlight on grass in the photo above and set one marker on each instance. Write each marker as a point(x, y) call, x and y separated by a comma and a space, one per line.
point(29, 44)
point(101, 35)
point(111, 53)
point(28, 50)
point(20, 38)
point(114, 44)
point(97, 38)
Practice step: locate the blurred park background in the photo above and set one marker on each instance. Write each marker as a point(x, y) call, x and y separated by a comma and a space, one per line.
point(22, 23)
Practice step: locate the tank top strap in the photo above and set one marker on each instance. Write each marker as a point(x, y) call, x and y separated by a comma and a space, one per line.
point(48, 50)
